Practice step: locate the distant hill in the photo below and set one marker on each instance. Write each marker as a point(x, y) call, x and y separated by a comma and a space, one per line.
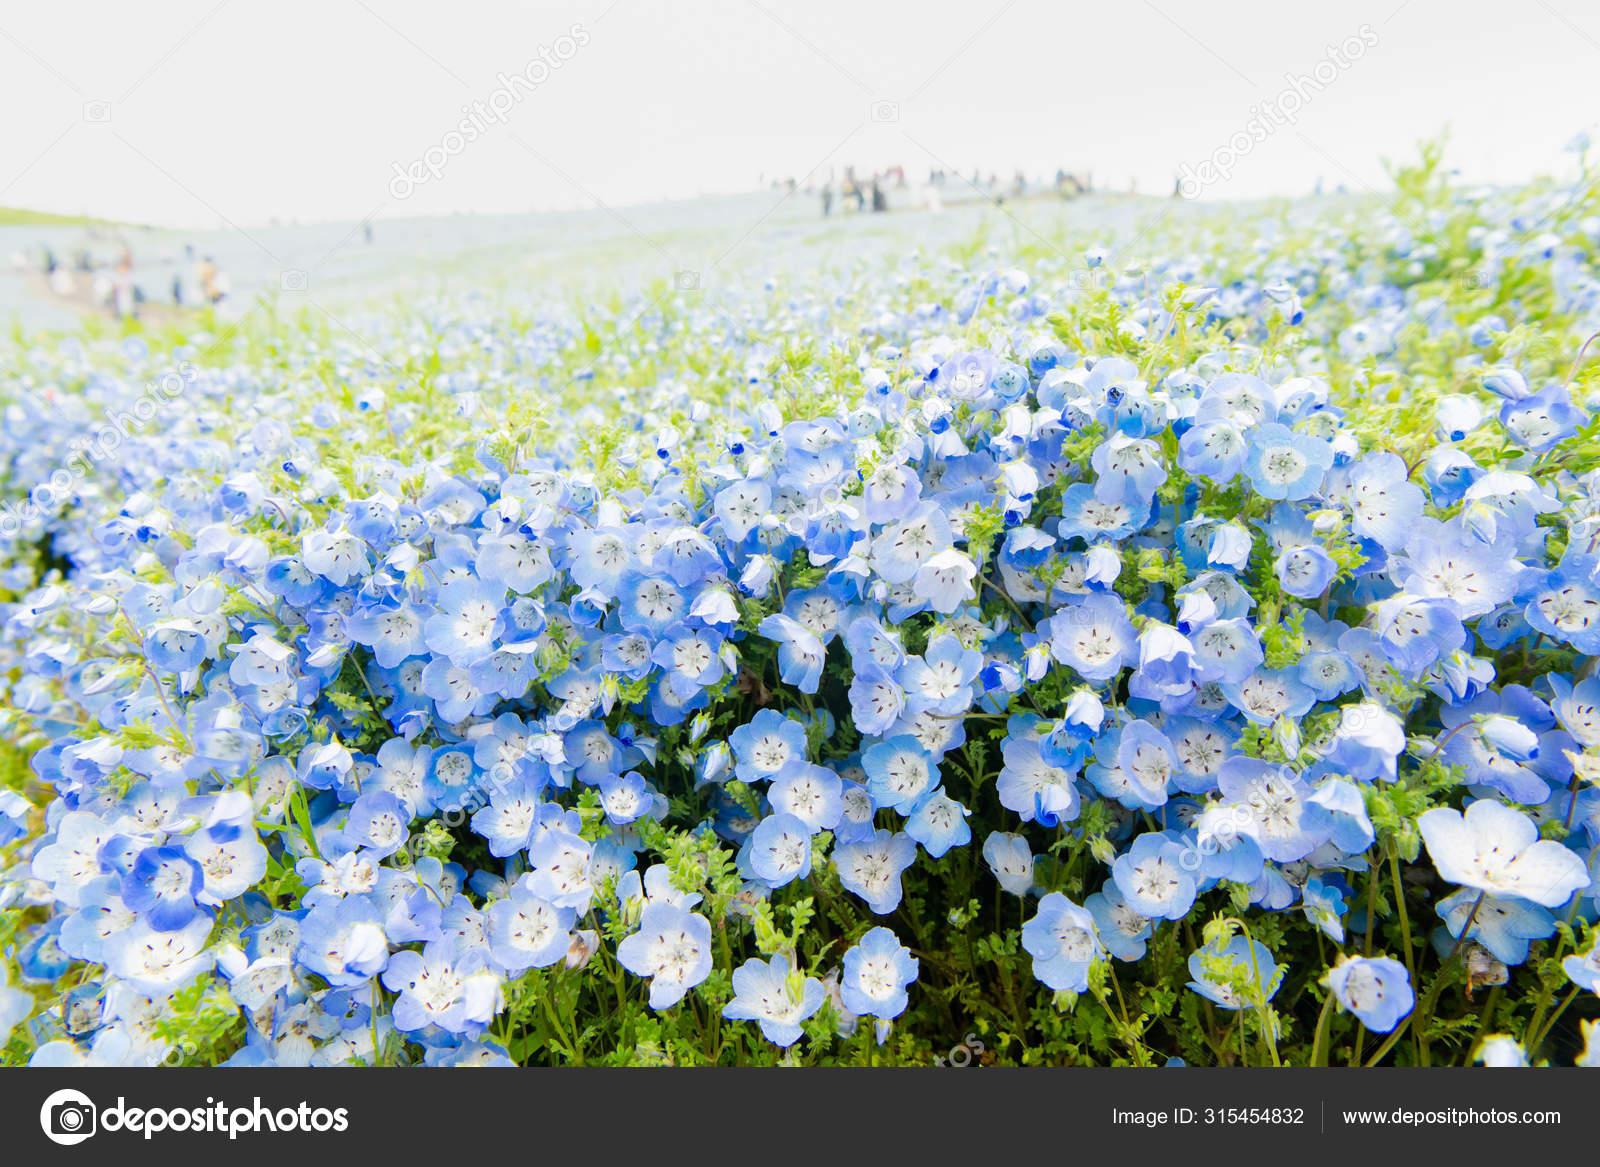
point(20, 217)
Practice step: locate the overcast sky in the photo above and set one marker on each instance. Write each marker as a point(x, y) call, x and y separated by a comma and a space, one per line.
point(200, 113)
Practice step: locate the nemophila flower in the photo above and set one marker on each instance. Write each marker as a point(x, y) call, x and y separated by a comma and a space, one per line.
point(812, 794)
point(1086, 516)
point(1061, 939)
point(1010, 861)
point(1565, 605)
point(765, 745)
point(940, 680)
point(526, 931)
point(1384, 505)
point(443, 986)
point(800, 652)
point(780, 850)
point(899, 772)
point(392, 633)
point(1323, 904)
point(1093, 636)
point(1504, 926)
point(1444, 560)
point(1226, 650)
point(1583, 969)
point(1499, 1051)
point(939, 823)
point(776, 996)
point(1034, 788)
point(1215, 450)
point(671, 949)
point(1121, 929)
point(559, 862)
point(871, 868)
point(901, 550)
point(625, 797)
point(877, 970)
point(1285, 464)
point(1274, 808)
point(161, 887)
point(1376, 989)
point(1267, 695)
point(1540, 421)
point(1497, 850)
point(1127, 468)
point(1305, 571)
point(159, 962)
point(1166, 663)
point(1577, 707)
point(1147, 762)
point(1238, 975)
point(231, 859)
point(1352, 830)
point(466, 621)
point(1156, 876)
point(343, 941)
point(634, 891)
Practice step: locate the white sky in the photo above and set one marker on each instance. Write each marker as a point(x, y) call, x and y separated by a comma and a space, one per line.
point(243, 111)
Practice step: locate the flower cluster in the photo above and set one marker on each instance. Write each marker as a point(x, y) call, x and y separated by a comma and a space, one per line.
point(1207, 646)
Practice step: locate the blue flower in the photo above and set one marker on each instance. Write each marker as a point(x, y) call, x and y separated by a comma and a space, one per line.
point(1497, 850)
point(442, 986)
point(877, 970)
point(775, 995)
point(872, 868)
point(162, 886)
point(899, 772)
point(1285, 464)
point(1062, 940)
point(1122, 930)
point(939, 823)
point(672, 949)
point(764, 746)
point(780, 850)
point(1240, 974)
point(1156, 878)
point(1376, 989)
point(526, 931)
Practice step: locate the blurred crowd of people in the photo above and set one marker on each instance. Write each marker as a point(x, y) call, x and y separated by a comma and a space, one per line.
point(855, 193)
point(105, 279)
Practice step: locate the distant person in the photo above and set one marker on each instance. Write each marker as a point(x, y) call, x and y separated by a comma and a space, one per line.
point(827, 199)
point(210, 280)
point(366, 230)
point(879, 202)
point(177, 289)
point(123, 304)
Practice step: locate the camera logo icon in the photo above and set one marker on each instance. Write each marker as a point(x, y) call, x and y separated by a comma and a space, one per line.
point(886, 111)
point(97, 111)
point(68, 1117)
point(686, 281)
point(293, 280)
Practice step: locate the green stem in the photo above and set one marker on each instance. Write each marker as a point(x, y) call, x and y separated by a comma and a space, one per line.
point(1319, 1044)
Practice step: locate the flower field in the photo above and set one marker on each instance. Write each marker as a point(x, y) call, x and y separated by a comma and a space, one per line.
point(1162, 637)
